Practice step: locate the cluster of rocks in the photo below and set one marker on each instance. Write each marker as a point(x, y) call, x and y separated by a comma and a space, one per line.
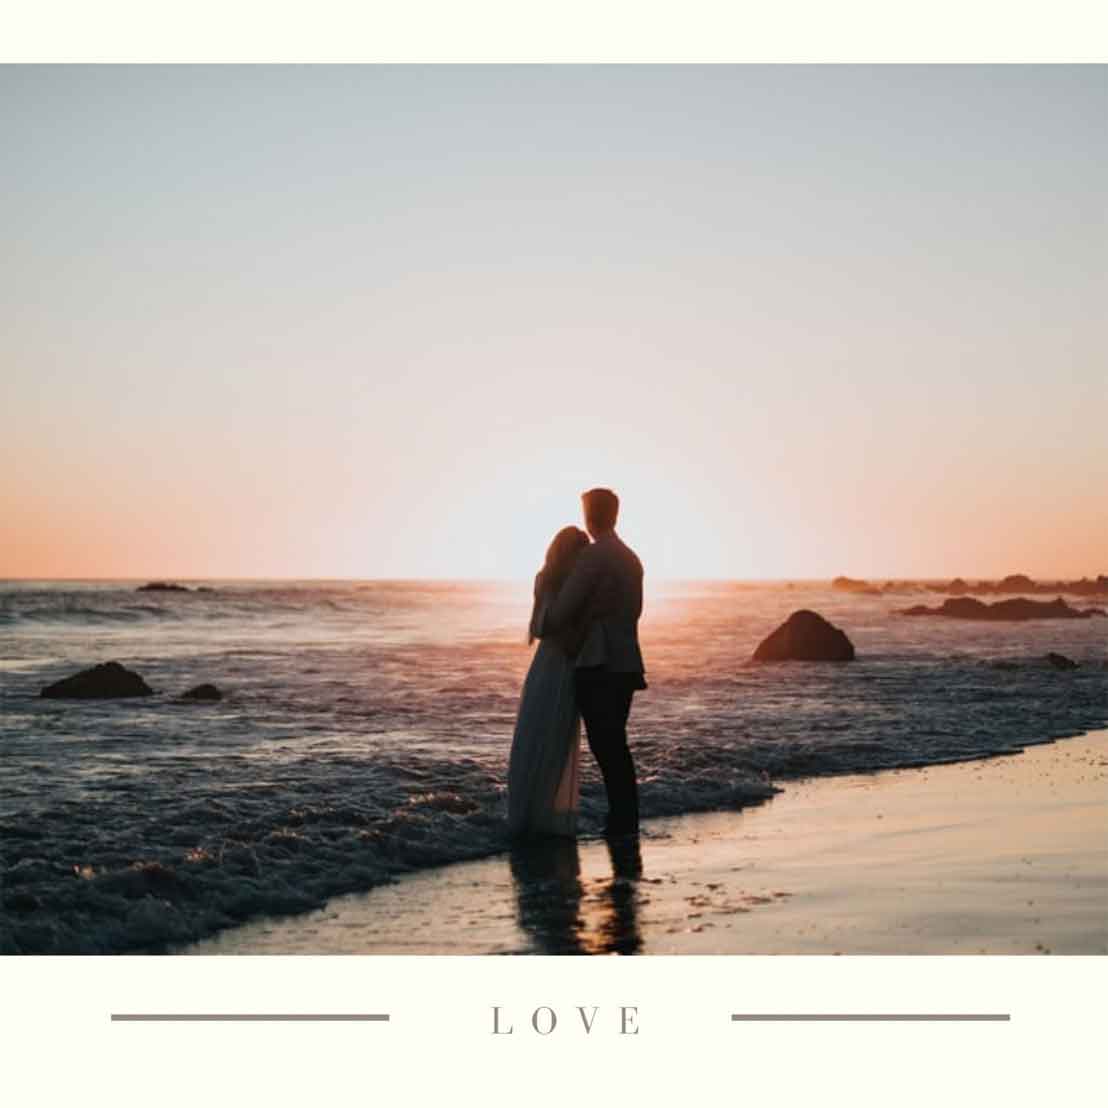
point(1021, 584)
point(112, 681)
point(1015, 584)
point(966, 607)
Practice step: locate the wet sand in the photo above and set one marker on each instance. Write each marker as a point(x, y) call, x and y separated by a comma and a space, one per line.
point(1003, 856)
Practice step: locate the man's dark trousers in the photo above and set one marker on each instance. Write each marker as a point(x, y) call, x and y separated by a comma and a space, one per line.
point(604, 700)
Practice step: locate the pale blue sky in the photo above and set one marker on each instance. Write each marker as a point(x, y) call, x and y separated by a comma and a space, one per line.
point(388, 321)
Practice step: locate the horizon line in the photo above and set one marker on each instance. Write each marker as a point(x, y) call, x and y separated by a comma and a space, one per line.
point(475, 579)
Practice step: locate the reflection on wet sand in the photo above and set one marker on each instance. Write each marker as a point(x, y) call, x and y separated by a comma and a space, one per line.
point(563, 915)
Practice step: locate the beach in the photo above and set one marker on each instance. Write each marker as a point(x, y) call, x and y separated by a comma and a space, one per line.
point(1004, 855)
point(363, 732)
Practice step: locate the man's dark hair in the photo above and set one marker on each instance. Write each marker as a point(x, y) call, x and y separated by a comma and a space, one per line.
point(601, 509)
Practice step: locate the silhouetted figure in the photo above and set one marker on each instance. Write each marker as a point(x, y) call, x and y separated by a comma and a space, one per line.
point(544, 766)
point(605, 588)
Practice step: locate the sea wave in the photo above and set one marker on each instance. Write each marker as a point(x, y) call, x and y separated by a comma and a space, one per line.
point(340, 759)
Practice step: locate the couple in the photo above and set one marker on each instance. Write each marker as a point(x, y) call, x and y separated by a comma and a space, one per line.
point(588, 598)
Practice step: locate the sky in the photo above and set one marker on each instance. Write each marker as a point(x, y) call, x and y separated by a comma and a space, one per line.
point(373, 321)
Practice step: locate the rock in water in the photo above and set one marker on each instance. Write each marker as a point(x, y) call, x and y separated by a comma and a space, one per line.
point(203, 692)
point(99, 683)
point(1060, 661)
point(805, 637)
point(1016, 582)
point(966, 607)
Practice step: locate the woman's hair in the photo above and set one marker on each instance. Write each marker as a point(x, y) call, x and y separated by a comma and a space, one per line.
point(560, 556)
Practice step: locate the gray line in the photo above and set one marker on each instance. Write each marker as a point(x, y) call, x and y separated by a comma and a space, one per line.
point(243, 1017)
point(880, 1017)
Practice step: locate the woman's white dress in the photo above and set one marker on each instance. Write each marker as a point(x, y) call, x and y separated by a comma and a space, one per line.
point(544, 767)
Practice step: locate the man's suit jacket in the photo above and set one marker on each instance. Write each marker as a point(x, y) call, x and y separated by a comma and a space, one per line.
point(606, 582)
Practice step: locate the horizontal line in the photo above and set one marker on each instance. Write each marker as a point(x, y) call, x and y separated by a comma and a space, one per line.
point(245, 1017)
point(880, 1017)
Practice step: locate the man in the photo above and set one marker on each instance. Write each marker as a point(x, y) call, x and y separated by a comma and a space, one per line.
point(606, 585)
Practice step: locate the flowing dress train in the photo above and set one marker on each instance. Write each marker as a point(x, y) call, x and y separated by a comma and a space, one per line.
point(544, 767)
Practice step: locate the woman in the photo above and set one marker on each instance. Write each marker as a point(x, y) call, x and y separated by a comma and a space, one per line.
point(544, 767)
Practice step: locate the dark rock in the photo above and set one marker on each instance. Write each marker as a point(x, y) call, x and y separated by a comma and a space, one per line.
point(99, 683)
point(805, 636)
point(1016, 582)
point(203, 692)
point(1042, 609)
point(22, 902)
point(1060, 661)
point(140, 879)
point(966, 607)
point(162, 586)
point(1021, 584)
point(1085, 587)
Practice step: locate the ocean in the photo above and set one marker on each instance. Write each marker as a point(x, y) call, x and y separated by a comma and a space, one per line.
point(366, 725)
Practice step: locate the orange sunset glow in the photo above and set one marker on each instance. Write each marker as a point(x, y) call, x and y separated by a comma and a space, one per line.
point(390, 323)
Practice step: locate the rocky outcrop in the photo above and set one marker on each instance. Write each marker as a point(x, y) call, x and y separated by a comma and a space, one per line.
point(805, 637)
point(1016, 583)
point(203, 692)
point(1060, 661)
point(1019, 584)
point(162, 586)
point(102, 682)
point(966, 607)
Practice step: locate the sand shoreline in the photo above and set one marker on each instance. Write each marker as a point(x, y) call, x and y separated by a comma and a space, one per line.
point(1006, 855)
